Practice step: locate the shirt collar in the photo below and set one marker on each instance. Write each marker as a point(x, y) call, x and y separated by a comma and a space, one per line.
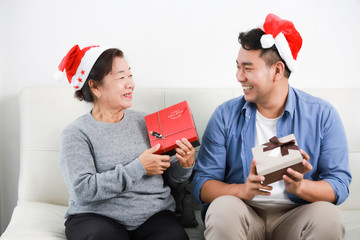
point(247, 108)
point(289, 107)
point(290, 102)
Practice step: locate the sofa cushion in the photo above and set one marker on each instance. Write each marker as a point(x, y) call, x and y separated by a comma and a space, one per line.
point(196, 233)
point(43, 221)
point(35, 220)
point(352, 226)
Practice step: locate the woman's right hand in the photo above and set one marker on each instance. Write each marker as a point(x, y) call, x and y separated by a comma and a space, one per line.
point(154, 164)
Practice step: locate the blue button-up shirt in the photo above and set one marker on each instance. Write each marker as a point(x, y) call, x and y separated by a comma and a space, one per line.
point(225, 154)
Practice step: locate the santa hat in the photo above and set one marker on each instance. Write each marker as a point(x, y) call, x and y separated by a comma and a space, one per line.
point(286, 38)
point(78, 63)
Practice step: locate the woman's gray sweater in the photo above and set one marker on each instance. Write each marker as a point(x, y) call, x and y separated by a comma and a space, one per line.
point(100, 165)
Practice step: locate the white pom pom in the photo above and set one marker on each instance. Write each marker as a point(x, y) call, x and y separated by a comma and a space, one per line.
point(267, 41)
point(59, 76)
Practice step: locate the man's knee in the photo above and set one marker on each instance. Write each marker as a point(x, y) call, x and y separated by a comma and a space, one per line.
point(224, 208)
point(325, 214)
point(228, 217)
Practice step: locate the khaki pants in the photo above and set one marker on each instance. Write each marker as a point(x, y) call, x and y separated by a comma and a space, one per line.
point(229, 217)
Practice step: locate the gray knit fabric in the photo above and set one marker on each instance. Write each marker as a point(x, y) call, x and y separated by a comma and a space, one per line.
point(103, 174)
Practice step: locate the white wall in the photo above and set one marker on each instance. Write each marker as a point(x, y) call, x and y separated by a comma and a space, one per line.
point(179, 43)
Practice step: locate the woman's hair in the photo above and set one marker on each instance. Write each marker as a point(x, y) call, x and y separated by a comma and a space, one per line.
point(101, 68)
point(251, 41)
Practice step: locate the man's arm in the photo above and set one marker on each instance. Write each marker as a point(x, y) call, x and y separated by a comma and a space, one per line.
point(213, 189)
point(313, 191)
point(330, 163)
point(210, 170)
point(308, 190)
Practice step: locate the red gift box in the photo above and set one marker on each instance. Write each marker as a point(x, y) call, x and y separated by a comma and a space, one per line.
point(171, 124)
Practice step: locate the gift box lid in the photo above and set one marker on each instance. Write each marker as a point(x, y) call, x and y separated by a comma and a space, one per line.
point(265, 163)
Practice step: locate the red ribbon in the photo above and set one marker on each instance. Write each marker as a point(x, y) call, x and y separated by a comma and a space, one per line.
point(284, 146)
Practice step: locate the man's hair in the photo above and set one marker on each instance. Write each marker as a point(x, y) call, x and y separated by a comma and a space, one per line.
point(251, 41)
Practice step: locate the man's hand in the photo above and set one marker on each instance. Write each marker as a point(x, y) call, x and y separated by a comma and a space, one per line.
point(294, 183)
point(154, 164)
point(253, 185)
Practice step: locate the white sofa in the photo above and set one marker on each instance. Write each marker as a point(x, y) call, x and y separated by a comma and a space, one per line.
point(45, 111)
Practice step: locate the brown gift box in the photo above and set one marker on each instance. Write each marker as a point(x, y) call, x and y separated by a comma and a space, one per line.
point(273, 165)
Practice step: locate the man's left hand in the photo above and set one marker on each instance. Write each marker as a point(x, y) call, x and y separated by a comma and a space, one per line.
point(294, 181)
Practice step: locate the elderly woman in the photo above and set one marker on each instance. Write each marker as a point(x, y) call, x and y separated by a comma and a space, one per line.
point(118, 187)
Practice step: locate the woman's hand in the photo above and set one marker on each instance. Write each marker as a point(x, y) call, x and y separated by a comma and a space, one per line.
point(154, 164)
point(185, 153)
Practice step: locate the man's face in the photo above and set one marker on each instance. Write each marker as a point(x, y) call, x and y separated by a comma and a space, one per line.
point(255, 76)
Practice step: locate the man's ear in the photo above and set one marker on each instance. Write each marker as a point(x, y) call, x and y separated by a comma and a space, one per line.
point(279, 70)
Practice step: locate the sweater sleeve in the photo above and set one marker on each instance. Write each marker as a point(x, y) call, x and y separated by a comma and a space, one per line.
point(84, 183)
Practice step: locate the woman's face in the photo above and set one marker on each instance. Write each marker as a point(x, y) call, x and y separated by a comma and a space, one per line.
point(117, 88)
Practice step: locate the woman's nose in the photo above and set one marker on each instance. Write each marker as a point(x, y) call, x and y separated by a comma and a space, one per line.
point(130, 83)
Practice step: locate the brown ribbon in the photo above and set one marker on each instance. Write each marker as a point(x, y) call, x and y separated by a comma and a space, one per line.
point(284, 146)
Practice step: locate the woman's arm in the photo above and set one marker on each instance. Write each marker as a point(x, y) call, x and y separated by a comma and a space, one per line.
point(85, 184)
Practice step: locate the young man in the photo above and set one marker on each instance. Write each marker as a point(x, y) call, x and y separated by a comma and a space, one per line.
point(235, 205)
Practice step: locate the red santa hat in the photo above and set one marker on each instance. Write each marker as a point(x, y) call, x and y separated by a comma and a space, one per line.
point(78, 63)
point(286, 38)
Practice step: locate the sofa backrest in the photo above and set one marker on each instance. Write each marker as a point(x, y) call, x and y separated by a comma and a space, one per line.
point(45, 111)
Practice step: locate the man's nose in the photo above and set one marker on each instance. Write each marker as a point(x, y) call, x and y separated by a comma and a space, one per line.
point(240, 76)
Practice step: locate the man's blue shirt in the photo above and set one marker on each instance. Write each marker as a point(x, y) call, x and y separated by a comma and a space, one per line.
point(225, 154)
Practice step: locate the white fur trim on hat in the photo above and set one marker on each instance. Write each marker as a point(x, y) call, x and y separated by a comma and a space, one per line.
point(85, 66)
point(285, 53)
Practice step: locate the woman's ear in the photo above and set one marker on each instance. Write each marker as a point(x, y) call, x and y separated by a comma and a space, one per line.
point(94, 88)
point(279, 70)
